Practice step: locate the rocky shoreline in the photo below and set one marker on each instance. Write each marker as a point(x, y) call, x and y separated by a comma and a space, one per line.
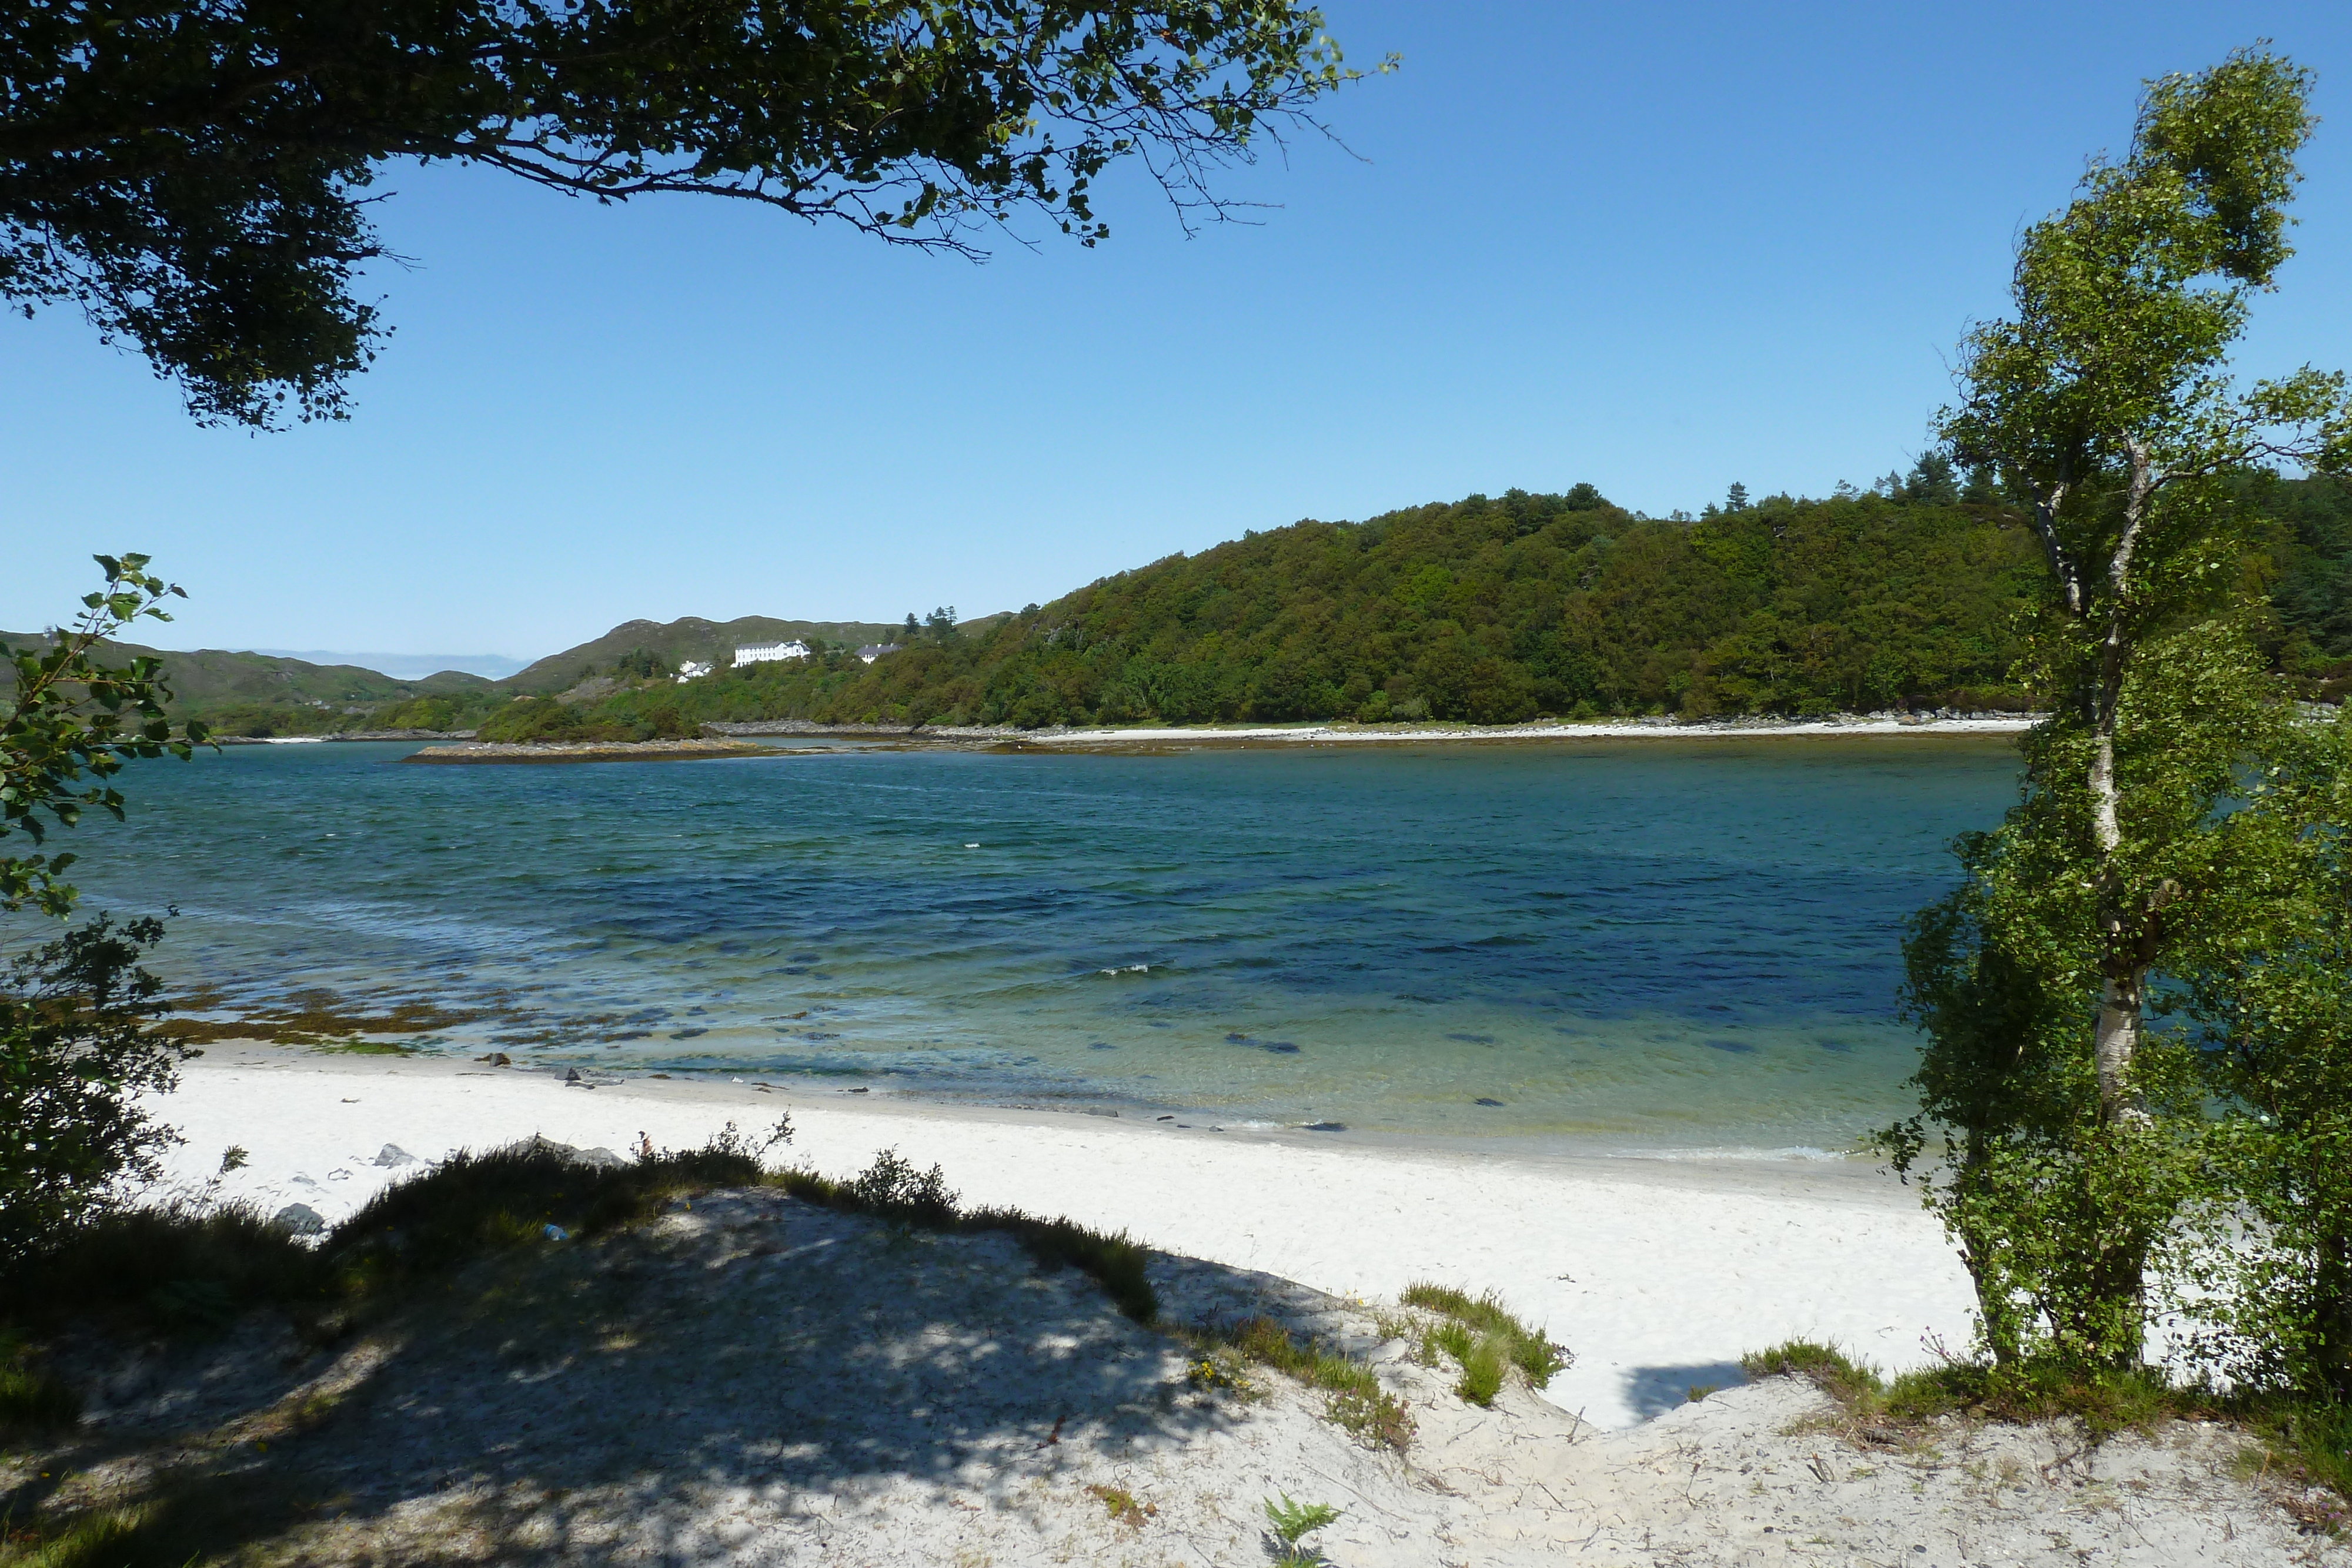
point(480, 751)
point(343, 735)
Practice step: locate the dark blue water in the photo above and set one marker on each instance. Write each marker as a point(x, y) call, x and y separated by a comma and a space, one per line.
point(1657, 943)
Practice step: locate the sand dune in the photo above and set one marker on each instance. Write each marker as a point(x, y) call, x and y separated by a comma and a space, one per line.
point(751, 1380)
point(1657, 1274)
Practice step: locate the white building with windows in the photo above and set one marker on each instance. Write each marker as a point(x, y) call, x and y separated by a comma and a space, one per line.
point(767, 652)
point(691, 671)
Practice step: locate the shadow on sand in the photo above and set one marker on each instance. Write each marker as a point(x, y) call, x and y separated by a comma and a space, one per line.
point(1652, 1391)
point(755, 1364)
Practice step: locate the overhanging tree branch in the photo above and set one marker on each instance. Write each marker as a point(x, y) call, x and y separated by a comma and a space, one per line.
point(189, 172)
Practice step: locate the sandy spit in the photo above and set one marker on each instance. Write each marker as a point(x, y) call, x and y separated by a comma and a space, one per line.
point(1358, 735)
point(1331, 734)
point(1659, 1275)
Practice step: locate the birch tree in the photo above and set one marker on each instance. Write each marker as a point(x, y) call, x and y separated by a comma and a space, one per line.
point(2107, 408)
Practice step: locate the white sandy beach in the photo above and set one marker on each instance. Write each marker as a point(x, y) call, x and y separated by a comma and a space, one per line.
point(1658, 1275)
point(1345, 734)
point(1845, 724)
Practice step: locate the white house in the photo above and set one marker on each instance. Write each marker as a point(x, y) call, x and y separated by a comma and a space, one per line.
point(691, 671)
point(873, 651)
point(763, 653)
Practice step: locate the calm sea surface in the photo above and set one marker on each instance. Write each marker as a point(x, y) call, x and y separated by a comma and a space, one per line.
point(1638, 946)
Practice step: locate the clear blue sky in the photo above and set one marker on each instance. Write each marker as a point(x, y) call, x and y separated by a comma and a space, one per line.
point(1659, 247)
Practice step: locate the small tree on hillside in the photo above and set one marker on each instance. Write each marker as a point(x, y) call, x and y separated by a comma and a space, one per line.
point(2107, 405)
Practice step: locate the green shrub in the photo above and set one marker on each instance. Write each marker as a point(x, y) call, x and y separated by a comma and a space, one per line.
point(185, 1267)
point(472, 1204)
point(1482, 1370)
point(190, 1268)
point(2316, 1441)
point(262, 720)
point(892, 1186)
point(76, 1057)
point(529, 719)
point(102, 1538)
point(177, 1265)
point(640, 714)
point(1115, 1262)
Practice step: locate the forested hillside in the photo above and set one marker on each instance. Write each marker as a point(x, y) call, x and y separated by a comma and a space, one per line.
point(1498, 609)
point(1487, 609)
point(2309, 579)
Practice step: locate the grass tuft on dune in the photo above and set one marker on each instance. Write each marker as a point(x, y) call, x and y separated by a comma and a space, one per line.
point(1484, 1339)
point(1354, 1397)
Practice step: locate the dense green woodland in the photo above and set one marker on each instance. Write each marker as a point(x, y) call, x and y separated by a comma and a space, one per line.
point(1499, 610)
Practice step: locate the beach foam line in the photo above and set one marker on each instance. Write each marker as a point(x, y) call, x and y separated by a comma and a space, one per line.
point(1732, 1152)
point(1658, 1274)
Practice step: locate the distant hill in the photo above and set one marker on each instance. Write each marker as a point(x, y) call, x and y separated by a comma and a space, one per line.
point(254, 693)
point(405, 667)
point(690, 640)
point(208, 680)
point(249, 693)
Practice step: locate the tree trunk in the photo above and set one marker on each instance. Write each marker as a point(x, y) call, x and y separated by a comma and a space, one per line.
point(2127, 929)
point(2127, 960)
point(2115, 1040)
point(2120, 1273)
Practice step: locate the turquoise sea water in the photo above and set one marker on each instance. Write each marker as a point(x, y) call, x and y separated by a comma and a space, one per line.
point(1629, 945)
